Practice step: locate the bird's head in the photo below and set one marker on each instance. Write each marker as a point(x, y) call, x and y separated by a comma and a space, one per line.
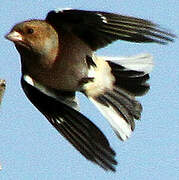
point(35, 38)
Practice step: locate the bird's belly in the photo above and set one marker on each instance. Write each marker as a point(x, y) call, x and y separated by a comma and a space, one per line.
point(67, 78)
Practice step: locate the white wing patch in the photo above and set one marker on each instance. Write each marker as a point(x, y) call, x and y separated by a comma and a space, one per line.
point(29, 80)
point(141, 62)
point(62, 9)
point(104, 19)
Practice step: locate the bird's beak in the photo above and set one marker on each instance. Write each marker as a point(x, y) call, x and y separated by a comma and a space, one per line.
point(14, 36)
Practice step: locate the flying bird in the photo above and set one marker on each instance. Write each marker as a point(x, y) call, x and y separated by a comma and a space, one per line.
point(58, 59)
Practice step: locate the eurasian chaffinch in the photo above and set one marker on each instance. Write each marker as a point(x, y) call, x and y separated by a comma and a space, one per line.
point(57, 58)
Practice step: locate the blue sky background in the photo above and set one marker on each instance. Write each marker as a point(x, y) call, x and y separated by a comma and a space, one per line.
point(30, 148)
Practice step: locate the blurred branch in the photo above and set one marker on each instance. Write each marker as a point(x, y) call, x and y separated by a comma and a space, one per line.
point(2, 88)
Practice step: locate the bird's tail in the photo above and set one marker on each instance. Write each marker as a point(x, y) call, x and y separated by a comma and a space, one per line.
point(114, 84)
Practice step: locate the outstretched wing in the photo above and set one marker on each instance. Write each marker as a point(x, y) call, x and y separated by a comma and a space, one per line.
point(75, 127)
point(98, 29)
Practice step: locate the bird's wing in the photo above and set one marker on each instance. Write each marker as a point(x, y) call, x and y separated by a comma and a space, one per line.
point(78, 130)
point(98, 29)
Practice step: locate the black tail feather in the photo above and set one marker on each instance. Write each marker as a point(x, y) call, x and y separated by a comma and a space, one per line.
point(130, 80)
point(124, 105)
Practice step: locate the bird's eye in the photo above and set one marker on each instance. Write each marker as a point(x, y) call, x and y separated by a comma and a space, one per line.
point(30, 31)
